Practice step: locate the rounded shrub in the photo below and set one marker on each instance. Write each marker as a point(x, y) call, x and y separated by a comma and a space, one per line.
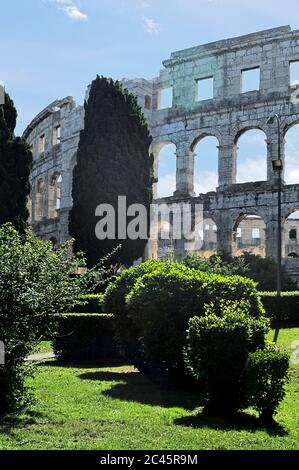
point(217, 353)
point(267, 373)
point(161, 302)
point(114, 301)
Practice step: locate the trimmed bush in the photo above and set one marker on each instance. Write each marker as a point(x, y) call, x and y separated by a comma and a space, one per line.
point(217, 353)
point(91, 303)
point(267, 374)
point(283, 308)
point(85, 337)
point(161, 303)
point(114, 301)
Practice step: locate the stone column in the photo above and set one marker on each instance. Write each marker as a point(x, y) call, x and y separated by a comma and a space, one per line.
point(155, 172)
point(272, 154)
point(227, 166)
point(271, 237)
point(224, 234)
point(184, 170)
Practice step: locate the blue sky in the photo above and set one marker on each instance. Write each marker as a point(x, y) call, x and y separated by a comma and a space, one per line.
point(53, 48)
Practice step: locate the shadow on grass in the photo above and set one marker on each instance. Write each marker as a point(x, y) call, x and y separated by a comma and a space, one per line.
point(88, 364)
point(239, 422)
point(10, 422)
point(132, 386)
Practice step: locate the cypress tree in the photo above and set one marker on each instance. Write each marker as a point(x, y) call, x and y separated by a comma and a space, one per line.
point(15, 165)
point(113, 160)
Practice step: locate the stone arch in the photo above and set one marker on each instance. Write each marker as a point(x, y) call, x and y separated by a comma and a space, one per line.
point(166, 242)
point(164, 168)
point(290, 137)
point(147, 102)
point(206, 170)
point(39, 212)
point(251, 159)
point(249, 234)
point(209, 235)
point(54, 195)
point(291, 233)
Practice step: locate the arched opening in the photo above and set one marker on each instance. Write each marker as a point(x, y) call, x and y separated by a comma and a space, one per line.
point(166, 170)
point(40, 200)
point(251, 156)
point(291, 230)
point(206, 164)
point(55, 195)
point(165, 238)
point(147, 102)
point(291, 174)
point(208, 234)
point(249, 235)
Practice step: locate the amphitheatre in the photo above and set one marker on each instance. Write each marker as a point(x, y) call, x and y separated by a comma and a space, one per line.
point(238, 216)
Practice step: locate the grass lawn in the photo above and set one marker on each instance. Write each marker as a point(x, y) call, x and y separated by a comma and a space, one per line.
point(115, 407)
point(43, 347)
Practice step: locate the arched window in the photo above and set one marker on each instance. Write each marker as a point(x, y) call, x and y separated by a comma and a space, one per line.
point(147, 102)
point(251, 156)
point(166, 170)
point(206, 165)
point(291, 228)
point(55, 195)
point(291, 174)
point(249, 235)
point(293, 234)
point(209, 232)
point(40, 200)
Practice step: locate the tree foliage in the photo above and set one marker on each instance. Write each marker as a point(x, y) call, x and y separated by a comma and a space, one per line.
point(15, 164)
point(261, 270)
point(113, 160)
point(36, 283)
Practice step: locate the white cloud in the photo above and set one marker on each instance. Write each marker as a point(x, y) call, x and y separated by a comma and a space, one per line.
point(292, 156)
point(151, 26)
point(205, 181)
point(70, 9)
point(74, 13)
point(252, 169)
point(166, 185)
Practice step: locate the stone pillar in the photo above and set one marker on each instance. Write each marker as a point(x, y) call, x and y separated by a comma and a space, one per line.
point(224, 234)
point(155, 172)
point(46, 195)
point(227, 164)
point(184, 171)
point(272, 154)
point(33, 198)
point(271, 238)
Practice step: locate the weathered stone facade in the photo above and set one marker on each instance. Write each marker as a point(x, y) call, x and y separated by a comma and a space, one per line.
point(226, 116)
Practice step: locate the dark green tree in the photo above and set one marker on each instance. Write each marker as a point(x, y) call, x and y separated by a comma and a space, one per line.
point(15, 165)
point(113, 160)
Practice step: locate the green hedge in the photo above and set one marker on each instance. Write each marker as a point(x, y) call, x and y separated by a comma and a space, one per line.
point(281, 309)
point(159, 307)
point(217, 353)
point(85, 337)
point(91, 303)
